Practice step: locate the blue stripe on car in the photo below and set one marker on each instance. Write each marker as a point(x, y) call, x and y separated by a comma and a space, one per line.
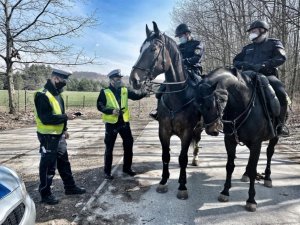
point(3, 191)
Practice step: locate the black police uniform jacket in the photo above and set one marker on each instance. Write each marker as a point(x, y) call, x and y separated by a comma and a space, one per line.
point(192, 53)
point(269, 54)
point(44, 108)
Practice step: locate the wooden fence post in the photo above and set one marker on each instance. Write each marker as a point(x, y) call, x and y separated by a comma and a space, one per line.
point(25, 100)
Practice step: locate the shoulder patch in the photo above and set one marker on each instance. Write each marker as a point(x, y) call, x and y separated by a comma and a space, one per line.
point(197, 51)
point(277, 43)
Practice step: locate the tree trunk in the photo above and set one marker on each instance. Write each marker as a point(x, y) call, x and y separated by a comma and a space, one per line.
point(294, 84)
point(11, 89)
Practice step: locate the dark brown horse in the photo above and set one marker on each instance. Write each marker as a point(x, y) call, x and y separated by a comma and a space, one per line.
point(226, 97)
point(177, 114)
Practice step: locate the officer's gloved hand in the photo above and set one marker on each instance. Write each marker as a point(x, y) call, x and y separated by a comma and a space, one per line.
point(257, 67)
point(238, 65)
point(243, 65)
point(186, 62)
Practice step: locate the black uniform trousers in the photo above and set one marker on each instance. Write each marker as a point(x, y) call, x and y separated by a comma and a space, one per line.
point(281, 95)
point(111, 132)
point(53, 149)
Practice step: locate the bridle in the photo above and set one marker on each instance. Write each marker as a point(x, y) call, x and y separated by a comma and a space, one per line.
point(219, 111)
point(237, 120)
point(149, 71)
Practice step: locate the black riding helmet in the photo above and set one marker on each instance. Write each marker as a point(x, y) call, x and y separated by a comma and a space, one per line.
point(182, 29)
point(259, 24)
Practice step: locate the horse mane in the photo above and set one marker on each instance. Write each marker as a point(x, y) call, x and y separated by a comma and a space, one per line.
point(173, 49)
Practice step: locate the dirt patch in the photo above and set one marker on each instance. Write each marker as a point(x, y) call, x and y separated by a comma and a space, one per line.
point(129, 189)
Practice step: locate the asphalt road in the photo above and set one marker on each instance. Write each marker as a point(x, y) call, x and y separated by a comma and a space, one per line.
point(135, 200)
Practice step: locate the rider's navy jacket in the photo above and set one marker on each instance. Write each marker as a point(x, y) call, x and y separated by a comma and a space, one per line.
point(269, 53)
point(192, 53)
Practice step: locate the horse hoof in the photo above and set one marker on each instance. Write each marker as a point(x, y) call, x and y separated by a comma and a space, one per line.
point(183, 195)
point(250, 207)
point(195, 162)
point(268, 183)
point(245, 178)
point(223, 198)
point(162, 188)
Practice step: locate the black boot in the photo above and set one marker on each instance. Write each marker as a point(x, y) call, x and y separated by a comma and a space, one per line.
point(50, 199)
point(129, 172)
point(153, 114)
point(74, 191)
point(283, 131)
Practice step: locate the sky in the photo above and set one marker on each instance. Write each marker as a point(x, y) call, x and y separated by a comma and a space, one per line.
point(121, 31)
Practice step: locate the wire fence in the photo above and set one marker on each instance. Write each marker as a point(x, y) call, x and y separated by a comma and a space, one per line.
point(24, 100)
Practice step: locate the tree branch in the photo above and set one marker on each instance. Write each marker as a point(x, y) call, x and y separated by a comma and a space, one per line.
point(34, 21)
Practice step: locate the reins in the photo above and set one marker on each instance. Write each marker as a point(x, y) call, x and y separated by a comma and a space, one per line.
point(247, 111)
point(235, 121)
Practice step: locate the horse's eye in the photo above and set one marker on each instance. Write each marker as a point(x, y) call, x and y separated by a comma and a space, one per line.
point(153, 49)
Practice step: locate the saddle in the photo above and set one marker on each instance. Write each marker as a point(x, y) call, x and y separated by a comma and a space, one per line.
point(265, 92)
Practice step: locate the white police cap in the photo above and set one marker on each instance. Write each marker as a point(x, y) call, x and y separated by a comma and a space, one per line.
point(61, 73)
point(114, 73)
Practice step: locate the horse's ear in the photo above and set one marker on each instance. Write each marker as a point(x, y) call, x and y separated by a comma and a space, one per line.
point(148, 32)
point(155, 28)
point(235, 71)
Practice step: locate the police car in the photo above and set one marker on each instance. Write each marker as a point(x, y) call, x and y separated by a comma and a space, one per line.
point(16, 206)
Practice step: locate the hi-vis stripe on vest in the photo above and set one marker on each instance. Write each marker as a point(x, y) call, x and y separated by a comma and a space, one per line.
point(56, 110)
point(111, 102)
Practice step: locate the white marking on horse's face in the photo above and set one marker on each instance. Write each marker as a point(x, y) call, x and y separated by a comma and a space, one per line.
point(143, 49)
point(145, 46)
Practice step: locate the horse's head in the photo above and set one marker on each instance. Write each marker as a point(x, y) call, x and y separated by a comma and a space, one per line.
point(154, 59)
point(211, 102)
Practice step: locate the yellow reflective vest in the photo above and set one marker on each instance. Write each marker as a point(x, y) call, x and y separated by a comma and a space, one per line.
point(56, 110)
point(112, 103)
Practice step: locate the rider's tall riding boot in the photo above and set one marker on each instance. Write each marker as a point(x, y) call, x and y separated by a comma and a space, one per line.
point(154, 114)
point(282, 129)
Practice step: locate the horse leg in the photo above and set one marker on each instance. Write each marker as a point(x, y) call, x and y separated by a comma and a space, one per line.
point(183, 160)
point(270, 152)
point(252, 170)
point(245, 177)
point(165, 143)
point(196, 146)
point(230, 146)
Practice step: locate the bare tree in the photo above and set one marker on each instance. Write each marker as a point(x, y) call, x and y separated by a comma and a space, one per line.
point(222, 25)
point(40, 32)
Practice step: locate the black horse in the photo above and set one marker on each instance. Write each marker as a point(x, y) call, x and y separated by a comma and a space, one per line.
point(177, 114)
point(229, 99)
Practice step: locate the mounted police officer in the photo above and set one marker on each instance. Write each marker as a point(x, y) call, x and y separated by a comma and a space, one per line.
point(192, 52)
point(51, 121)
point(113, 103)
point(264, 55)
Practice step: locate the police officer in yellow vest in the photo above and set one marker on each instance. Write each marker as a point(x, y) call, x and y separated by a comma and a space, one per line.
point(113, 103)
point(51, 121)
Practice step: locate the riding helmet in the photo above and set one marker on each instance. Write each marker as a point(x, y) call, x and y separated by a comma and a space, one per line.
point(182, 29)
point(259, 24)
